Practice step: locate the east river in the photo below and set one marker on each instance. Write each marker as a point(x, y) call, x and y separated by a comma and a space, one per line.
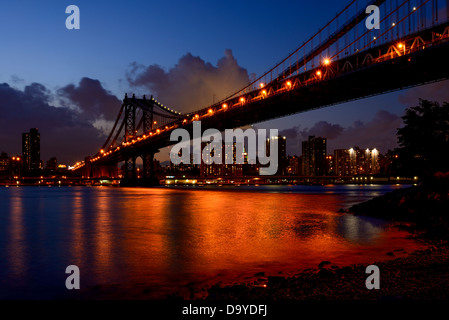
point(154, 242)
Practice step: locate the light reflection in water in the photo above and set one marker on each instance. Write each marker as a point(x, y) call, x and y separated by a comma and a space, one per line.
point(162, 238)
point(77, 233)
point(17, 237)
point(103, 231)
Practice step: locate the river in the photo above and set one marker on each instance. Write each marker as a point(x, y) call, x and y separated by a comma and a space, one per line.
point(154, 242)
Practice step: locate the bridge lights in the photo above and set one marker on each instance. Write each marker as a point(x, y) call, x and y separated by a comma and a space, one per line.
point(210, 111)
point(327, 62)
point(264, 92)
point(155, 122)
point(224, 105)
point(262, 85)
point(242, 100)
point(197, 116)
point(318, 73)
point(101, 151)
point(289, 84)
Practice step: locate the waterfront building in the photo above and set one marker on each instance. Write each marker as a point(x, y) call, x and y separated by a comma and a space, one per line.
point(31, 150)
point(314, 152)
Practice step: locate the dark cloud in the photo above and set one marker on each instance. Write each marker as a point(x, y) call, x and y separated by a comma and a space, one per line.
point(322, 129)
point(295, 135)
point(192, 83)
point(434, 92)
point(64, 132)
point(378, 133)
point(91, 99)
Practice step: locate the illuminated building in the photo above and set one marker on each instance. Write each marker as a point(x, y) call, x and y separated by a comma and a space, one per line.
point(314, 152)
point(282, 154)
point(31, 150)
point(223, 169)
point(353, 161)
point(4, 165)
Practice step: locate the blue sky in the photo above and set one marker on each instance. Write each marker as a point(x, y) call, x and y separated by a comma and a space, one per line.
point(37, 47)
point(116, 33)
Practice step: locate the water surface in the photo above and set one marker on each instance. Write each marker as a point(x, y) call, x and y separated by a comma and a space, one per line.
point(153, 242)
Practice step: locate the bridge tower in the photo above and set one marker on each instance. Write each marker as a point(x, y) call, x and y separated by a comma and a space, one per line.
point(149, 177)
point(130, 133)
point(141, 117)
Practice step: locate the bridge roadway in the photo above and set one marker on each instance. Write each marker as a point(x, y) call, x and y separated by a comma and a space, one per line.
point(415, 68)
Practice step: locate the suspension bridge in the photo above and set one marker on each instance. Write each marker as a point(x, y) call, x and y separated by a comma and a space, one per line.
point(341, 62)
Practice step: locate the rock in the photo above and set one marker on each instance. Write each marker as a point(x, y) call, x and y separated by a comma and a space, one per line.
point(325, 273)
point(324, 264)
point(274, 280)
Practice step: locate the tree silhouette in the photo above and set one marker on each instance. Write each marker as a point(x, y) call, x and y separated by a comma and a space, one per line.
point(424, 140)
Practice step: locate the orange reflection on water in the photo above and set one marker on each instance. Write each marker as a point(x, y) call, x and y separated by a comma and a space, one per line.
point(17, 240)
point(77, 243)
point(203, 233)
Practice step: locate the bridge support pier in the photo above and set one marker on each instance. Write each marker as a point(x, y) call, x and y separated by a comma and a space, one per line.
point(149, 178)
point(130, 174)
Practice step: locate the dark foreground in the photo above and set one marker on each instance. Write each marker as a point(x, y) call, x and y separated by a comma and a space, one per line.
point(422, 275)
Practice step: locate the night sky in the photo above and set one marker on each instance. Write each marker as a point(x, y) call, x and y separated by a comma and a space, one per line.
point(70, 83)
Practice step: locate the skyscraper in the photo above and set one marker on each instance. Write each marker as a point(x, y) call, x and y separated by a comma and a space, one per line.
point(282, 153)
point(31, 150)
point(314, 152)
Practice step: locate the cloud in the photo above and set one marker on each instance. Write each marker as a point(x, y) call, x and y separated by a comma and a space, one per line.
point(91, 99)
point(295, 135)
point(380, 133)
point(192, 83)
point(65, 132)
point(434, 92)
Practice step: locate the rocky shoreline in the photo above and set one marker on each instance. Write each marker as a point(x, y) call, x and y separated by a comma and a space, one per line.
point(422, 275)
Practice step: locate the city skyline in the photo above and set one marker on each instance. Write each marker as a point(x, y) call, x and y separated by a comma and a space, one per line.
point(78, 103)
point(313, 160)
